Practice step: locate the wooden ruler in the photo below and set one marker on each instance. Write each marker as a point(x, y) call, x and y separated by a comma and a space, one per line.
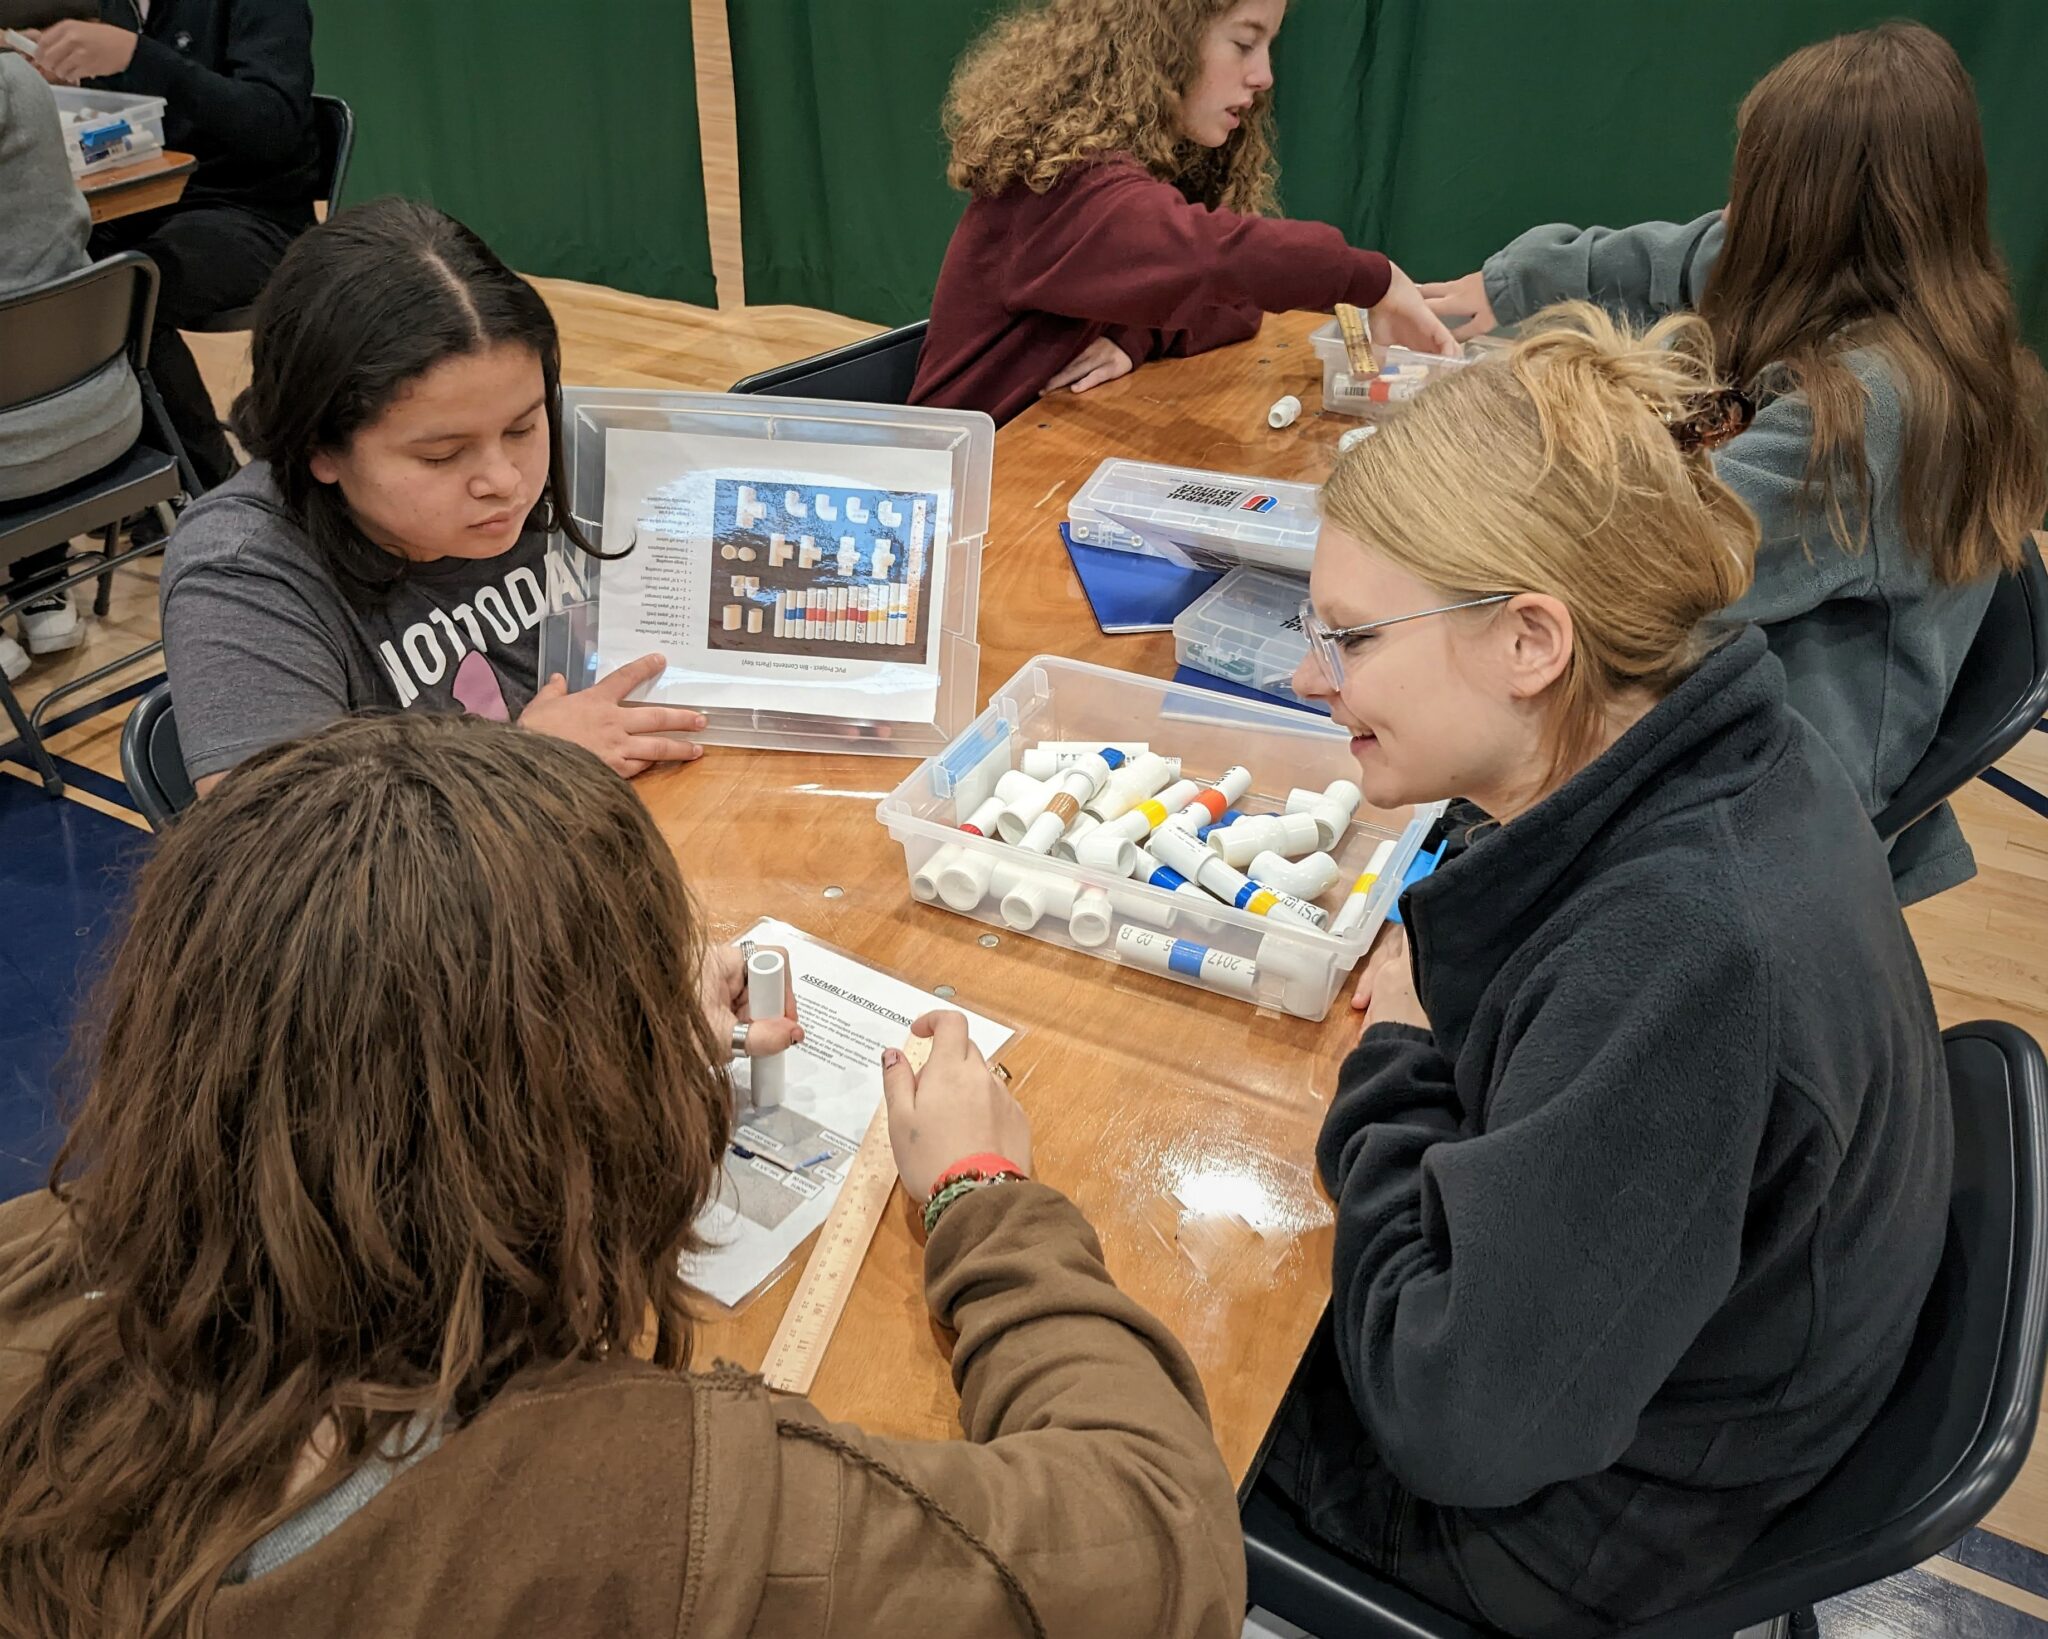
point(1354, 324)
point(827, 1281)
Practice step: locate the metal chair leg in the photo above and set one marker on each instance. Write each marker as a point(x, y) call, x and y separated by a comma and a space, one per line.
point(38, 753)
point(103, 599)
point(77, 685)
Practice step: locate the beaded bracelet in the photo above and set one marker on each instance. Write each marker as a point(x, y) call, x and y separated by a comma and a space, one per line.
point(985, 1165)
point(935, 1208)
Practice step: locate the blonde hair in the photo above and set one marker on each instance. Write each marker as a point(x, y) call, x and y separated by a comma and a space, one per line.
point(1556, 470)
point(1071, 82)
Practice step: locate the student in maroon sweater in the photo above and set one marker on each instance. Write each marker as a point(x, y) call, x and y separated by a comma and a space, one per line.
point(1120, 158)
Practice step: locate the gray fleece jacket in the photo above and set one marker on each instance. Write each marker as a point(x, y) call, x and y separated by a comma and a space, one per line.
point(1632, 1239)
point(44, 222)
point(1871, 643)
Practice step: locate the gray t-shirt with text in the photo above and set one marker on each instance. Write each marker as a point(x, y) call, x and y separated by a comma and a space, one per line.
point(265, 641)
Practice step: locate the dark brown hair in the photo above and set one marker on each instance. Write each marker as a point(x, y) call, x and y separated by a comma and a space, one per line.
point(361, 308)
point(400, 1087)
point(1858, 217)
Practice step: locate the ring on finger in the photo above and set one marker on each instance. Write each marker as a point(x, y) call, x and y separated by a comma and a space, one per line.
point(739, 1038)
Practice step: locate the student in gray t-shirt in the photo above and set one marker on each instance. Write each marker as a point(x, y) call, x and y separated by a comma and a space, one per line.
point(1899, 454)
point(384, 549)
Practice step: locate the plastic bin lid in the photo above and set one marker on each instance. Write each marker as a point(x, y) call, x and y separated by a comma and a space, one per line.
point(1247, 628)
point(1201, 517)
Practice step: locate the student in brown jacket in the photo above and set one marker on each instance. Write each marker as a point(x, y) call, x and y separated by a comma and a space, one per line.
point(407, 1091)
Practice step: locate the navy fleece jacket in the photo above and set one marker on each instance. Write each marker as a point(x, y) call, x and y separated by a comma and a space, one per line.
point(1631, 1241)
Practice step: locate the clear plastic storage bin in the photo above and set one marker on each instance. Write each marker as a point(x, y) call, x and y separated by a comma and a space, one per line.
point(1213, 520)
point(1246, 629)
point(1342, 395)
point(1294, 968)
point(811, 569)
point(104, 130)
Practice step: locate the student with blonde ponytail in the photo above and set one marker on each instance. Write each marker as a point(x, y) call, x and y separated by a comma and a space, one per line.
point(1900, 451)
point(1640, 1165)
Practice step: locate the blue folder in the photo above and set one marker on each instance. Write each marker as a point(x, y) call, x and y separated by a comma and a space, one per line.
point(1130, 592)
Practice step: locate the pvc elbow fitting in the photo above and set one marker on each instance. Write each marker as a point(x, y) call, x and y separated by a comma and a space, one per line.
point(1308, 878)
point(1333, 808)
point(1091, 920)
point(1288, 834)
point(1033, 896)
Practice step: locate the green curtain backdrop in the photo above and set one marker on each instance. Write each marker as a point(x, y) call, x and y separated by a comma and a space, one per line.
point(843, 196)
point(1432, 129)
point(567, 137)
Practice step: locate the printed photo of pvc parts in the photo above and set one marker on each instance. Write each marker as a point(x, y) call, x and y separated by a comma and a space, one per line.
point(820, 570)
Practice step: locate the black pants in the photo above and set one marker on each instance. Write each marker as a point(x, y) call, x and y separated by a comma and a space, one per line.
point(1322, 1464)
point(211, 259)
point(32, 568)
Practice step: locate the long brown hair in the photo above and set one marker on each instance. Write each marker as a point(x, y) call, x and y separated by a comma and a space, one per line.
point(1858, 217)
point(1068, 82)
point(400, 1088)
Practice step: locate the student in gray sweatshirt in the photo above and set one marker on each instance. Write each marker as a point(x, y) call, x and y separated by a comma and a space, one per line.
point(385, 548)
point(1898, 457)
point(54, 441)
point(1642, 1163)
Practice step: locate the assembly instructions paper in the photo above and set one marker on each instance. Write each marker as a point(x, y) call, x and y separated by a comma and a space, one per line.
point(769, 1201)
point(777, 576)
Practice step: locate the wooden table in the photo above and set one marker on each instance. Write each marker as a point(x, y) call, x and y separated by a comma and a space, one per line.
point(144, 186)
point(1184, 1125)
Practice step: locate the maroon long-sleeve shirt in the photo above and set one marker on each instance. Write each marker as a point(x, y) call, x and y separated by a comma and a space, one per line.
point(1110, 250)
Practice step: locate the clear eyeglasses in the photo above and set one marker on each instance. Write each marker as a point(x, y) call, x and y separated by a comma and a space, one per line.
point(1326, 643)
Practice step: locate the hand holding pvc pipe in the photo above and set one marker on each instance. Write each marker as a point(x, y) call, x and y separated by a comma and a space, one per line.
point(722, 992)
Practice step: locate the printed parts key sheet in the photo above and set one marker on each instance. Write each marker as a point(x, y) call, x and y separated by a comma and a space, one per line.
point(777, 576)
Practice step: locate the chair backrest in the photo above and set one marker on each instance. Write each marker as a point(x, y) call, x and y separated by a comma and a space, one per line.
point(2000, 693)
point(879, 370)
point(334, 123)
point(152, 761)
point(54, 335)
point(1957, 1427)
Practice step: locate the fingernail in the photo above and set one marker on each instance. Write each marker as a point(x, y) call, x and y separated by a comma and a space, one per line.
point(797, 1040)
point(891, 1058)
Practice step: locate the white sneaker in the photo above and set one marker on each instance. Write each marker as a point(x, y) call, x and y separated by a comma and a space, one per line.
point(51, 624)
point(13, 658)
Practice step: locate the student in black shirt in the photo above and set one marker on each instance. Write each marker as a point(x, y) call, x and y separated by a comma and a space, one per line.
point(1641, 1164)
point(237, 80)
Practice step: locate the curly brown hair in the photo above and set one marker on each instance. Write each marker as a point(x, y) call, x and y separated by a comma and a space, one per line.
point(1073, 81)
point(400, 1087)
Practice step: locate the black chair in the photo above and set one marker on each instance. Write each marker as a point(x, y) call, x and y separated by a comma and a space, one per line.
point(152, 761)
point(52, 337)
point(2000, 693)
point(879, 370)
point(334, 123)
point(1947, 1444)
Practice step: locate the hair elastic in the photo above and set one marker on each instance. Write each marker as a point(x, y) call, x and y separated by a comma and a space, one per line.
point(1714, 417)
